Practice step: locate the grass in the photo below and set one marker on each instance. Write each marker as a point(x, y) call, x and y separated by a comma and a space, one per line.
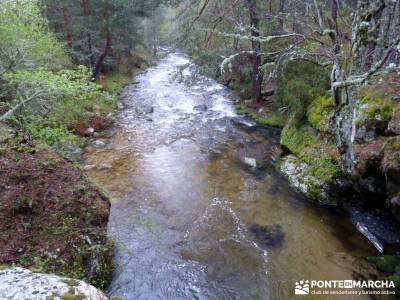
point(115, 81)
point(271, 118)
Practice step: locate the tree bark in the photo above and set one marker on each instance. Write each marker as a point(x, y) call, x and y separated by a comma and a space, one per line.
point(102, 56)
point(257, 78)
point(86, 14)
point(346, 95)
point(66, 25)
point(281, 16)
point(108, 44)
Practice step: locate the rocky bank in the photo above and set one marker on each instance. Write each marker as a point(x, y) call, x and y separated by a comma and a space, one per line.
point(52, 219)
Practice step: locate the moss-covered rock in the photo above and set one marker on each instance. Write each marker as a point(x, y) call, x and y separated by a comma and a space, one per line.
point(320, 112)
point(299, 175)
point(376, 106)
point(314, 167)
point(19, 283)
point(322, 157)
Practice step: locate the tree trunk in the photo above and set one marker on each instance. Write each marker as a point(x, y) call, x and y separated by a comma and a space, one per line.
point(281, 15)
point(107, 47)
point(103, 55)
point(346, 97)
point(257, 78)
point(66, 26)
point(86, 13)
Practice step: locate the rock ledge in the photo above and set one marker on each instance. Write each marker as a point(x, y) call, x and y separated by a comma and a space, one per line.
point(21, 284)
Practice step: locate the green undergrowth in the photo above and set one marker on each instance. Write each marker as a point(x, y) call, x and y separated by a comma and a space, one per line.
point(375, 108)
point(115, 81)
point(390, 265)
point(270, 118)
point(64, 97)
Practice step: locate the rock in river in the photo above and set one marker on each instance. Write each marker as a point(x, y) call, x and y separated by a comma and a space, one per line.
point(250, 161)
point(268, 235)
point(23, 284)
point(99, 144)
point(200, 107)
point(144, 108)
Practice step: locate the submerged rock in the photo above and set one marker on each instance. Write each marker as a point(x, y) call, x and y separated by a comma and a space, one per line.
point(20, 284)
point(244, 123)
point(200, 107)
point(250, 161)
point(99, 144)
point(268, 235)
point(143, 108)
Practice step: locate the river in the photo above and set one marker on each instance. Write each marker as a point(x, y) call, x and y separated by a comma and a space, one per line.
point(184, 201)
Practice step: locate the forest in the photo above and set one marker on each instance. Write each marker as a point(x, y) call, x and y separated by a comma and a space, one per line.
point(190, 149)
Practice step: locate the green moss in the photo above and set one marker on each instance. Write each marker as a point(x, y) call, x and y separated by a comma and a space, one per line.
point(385, 263)
point(303, 143)
point(319, 113)
point(396, 281)
point(71, 282)
point(271, 118)
point(375, 105)
point(297, 139)
point(72, 296)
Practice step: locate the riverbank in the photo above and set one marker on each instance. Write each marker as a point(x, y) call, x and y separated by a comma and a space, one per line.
point(312, 165)
point(311, 160)
point(53, 219)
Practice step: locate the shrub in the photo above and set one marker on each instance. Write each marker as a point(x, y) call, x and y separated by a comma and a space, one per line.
point(25, 41)
point(68, 96)
point(300, 83)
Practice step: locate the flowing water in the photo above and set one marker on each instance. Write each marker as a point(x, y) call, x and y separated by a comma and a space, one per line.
point(183, 200)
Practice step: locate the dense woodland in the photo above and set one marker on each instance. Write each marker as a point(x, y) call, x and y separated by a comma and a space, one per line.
point(326, 72)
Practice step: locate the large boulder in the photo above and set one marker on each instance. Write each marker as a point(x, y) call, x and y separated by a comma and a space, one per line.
point(23, 284)
point(299, 176)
